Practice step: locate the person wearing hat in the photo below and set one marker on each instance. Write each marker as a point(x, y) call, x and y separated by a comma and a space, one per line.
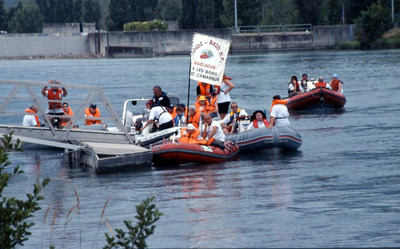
point(92, 111)
point(189, 134)
point(258, 120)
point(202, 104)
point(159, 116)
point(224, 99)
point(279, 114)
point(336, 84)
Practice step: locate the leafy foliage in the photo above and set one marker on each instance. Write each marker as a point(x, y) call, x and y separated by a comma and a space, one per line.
point(135, 237)
point(26, 19)
point(14, 212)
point(372, 24)
point(155, 25)
point(3, 16)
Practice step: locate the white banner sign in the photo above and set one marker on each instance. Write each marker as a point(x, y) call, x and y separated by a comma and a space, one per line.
point(208, 58)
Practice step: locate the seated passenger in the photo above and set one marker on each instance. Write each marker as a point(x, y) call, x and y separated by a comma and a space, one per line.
point(258, 120)
point(279, 114)
point(179, 119)
point(213, 107)
point(336, 84)
point(229, 122)
point(294, 87)
point(194, 116)
point(189, 134)
point(320, 83)
point(202, 104)
point(31, 120)
point(159, 116)
point(212, 130)
point(68, 112)
point(304, 82)
point(204, 89)
point(92, 111)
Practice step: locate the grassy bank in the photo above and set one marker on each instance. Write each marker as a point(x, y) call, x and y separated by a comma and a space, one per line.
point(391, 40)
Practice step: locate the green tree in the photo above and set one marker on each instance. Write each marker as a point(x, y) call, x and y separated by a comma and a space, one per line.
point(119, 12)
point(14, 212)
point(135, 237)
point(27, 19)
point(170, 10)
point(92, 11)
point(372, 24)
point(248, 13)
point(308, 10)
point(3, 17)
point(279, 12)
point(188, 18)
point(77, 11)
point(331, 11)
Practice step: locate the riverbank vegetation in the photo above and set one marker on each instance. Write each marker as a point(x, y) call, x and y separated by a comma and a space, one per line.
point(15, 213)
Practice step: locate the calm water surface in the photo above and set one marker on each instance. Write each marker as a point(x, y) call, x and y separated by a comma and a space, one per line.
point(341, 189)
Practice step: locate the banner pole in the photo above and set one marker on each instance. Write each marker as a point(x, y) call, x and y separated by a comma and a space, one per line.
point(187, 103)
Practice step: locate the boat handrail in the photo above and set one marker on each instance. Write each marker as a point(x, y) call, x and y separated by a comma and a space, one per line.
point(37, 99)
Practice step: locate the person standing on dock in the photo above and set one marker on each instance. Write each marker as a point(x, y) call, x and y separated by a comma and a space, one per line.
point(160, 98)
point(55, 94)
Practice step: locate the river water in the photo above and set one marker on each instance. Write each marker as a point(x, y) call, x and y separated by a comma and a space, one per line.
point(341, 189)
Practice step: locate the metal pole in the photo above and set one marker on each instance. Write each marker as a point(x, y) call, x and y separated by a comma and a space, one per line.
point(187, 103)
point(236, 27)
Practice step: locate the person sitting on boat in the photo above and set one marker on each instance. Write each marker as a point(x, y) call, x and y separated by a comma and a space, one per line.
point(92, 111)
point(224, 99)
point(258, 120)
point(279, 114)
point(336, 84)
point(294, 87)
point(159, 116)
point(179, 119)
point(67, 112)
point(212, 130)
point(56, 94)
point(202, 104)
point(194, 116)
point(204, 89)
point(160, 98)
point(31, 120)
point(229, 122)
point(189, 134)
point(304, 82)
point(321, 83)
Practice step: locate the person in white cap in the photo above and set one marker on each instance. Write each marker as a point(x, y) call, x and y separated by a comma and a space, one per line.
point(188, 134)
point(336, 84)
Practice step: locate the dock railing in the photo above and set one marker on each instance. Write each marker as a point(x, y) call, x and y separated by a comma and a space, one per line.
point(272, 29)
point(15, 96)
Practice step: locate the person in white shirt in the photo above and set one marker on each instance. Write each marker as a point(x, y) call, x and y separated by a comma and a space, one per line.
point(212, 130)
point(258, 120)
point(294, 87)
point(279, 114)
point(229, 121)
point(224, 99)
point(161, 116)
point(31, 120)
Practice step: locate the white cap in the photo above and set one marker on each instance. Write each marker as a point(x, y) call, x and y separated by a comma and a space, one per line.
point(190, 127)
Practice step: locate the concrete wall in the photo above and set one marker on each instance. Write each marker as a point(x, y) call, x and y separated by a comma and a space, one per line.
point(21, 45)
point(68, 28)
point(165, 42)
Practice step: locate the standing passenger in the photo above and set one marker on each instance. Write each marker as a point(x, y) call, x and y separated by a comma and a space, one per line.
point(224, 99)
point(279, 114)
point(160, 98)
point(56, 94)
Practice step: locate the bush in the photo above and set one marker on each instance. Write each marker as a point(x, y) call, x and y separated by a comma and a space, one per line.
point(14, 212)
point(348, 45)
point(155, 25)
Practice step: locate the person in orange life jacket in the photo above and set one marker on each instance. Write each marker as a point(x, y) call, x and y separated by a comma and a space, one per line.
point(336, 84)
point(189, 134)
point(68, 112)
point(92, 111)
point(294, 87)
point(160, 98)
point(304, 81)
point(55, 93)
point(258, 120)
point(160, 116)
point(229, 121)
point(321, 83)
point(279, 114)
point(202, 104)
point(179, 119)
point(204, 89)
point(194, 116)
point(224, 99)
point(31, 120)
point(213, 107)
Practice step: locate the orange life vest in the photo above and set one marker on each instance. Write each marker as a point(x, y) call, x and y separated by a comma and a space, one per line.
point(68, 113)
point(51, 95)
point(212, 105)
point(36, 117)
point(335, 85)
point(255, 123)
point(188, 138)
point(194, 120)
point(201, 108)
point(204, 90)
point(89, 114)
point(278, 101)
point(320, 84)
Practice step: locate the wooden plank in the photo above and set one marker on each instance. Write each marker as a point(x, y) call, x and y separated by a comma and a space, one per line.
point(115, 149)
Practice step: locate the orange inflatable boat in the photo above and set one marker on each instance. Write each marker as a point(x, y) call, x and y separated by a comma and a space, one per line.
point(319, 97)
point(181, 153)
